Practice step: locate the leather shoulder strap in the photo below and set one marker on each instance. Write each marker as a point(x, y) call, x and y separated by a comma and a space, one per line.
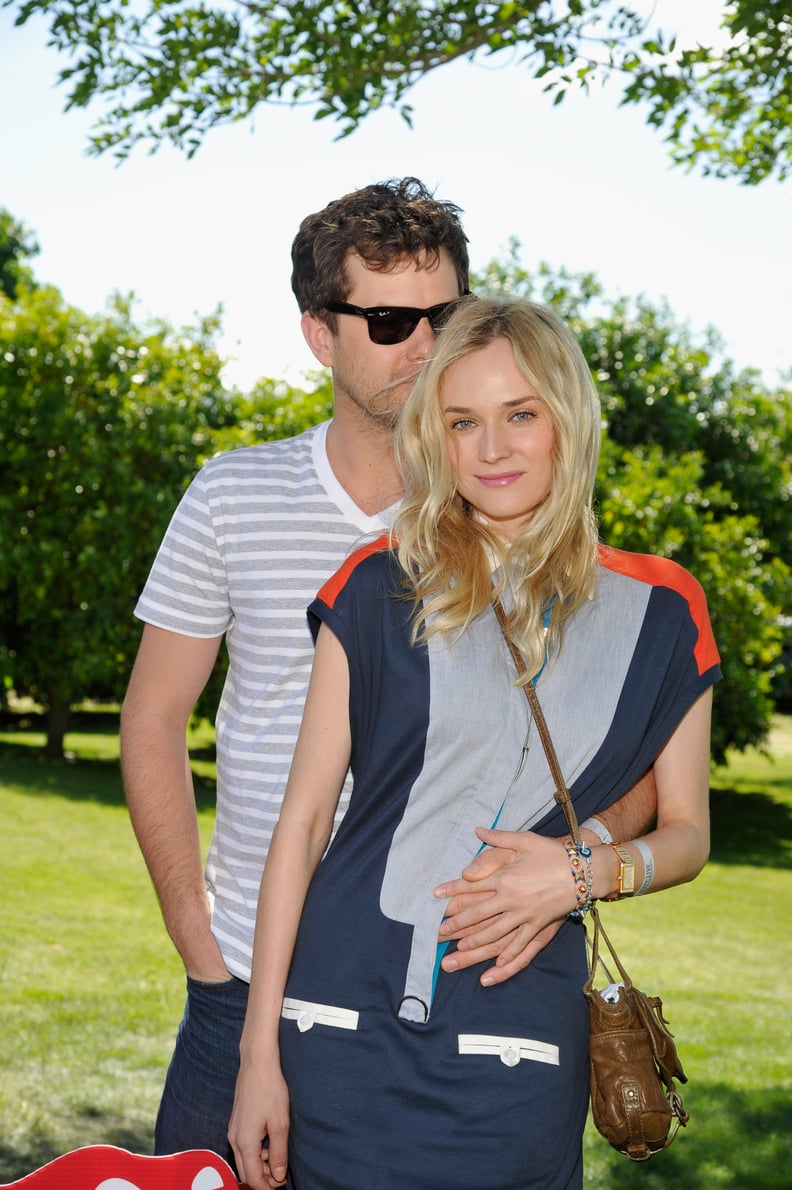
point(562, 795)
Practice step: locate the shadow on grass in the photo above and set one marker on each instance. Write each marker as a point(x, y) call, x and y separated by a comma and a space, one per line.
point(750, 828)
point(747, 827)
point(37, 1149)
point(736, 1139)
point(81, 780)
point(94, 722)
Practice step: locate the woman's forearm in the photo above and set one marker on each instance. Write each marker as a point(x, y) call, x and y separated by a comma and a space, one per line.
point(678, 848)
point(319, 766)
point(290, 865)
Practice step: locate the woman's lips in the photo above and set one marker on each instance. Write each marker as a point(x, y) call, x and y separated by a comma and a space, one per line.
point(502, 480)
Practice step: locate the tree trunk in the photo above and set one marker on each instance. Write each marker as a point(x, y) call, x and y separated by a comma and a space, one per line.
point(57, 722)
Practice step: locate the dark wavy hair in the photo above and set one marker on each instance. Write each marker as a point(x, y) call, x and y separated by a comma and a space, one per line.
point(384, 224)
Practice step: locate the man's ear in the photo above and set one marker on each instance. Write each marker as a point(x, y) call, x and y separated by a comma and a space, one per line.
point(318, 337)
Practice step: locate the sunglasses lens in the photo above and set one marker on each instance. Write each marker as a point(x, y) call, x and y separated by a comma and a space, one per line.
point(439, 315)
point(392, 326)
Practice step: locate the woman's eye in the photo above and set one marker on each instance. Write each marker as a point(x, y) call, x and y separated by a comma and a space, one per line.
point(523, 415)
point(462, 423)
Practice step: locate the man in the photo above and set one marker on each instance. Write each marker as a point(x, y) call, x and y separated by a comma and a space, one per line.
point(255, 536)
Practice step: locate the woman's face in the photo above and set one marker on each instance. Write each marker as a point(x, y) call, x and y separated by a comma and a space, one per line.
point(500, 437)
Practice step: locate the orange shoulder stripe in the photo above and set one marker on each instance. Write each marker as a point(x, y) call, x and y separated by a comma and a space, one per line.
point(662, 572)
point(334, 585)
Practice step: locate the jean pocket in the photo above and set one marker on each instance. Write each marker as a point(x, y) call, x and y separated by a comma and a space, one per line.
point(210, 984)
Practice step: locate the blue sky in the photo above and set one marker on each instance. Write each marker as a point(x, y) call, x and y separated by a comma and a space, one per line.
point(583, 185)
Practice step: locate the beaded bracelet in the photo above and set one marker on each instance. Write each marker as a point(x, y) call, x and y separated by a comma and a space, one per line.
point(580, 863)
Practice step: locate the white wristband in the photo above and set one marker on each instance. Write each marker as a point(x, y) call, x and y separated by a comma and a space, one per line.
point(599, 828)
point(648, 860)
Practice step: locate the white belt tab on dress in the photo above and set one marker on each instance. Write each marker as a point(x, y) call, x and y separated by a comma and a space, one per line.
point(510, 1050)
point(307, 1014)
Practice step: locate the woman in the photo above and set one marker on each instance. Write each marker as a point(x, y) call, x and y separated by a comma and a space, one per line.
point(385, 1070)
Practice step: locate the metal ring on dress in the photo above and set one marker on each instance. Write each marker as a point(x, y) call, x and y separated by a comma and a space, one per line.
point(410, 1007)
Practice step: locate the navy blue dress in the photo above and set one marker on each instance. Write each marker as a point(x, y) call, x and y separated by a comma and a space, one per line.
point(400, 1075)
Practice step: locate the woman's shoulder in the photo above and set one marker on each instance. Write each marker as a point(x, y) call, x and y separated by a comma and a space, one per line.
point(371, 563)
point(653, 570)
point(664, 575)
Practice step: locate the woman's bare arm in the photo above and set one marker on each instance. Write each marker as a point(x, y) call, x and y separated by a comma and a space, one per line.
point(321, 760)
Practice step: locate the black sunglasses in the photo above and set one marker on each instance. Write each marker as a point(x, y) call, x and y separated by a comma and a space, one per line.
point(395, 324)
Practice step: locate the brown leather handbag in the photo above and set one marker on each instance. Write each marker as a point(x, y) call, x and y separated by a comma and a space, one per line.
point(632, 1055)
point(634, 1061)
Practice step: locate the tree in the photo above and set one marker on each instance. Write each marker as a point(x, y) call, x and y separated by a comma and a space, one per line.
point(169, 70)
point(17, 245)
point(276, 409)
point(696, 466)
point(102, 424)
point(729, 110)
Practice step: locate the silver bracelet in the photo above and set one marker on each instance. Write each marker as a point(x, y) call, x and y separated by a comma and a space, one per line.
point(599, 828)
point(648, 860)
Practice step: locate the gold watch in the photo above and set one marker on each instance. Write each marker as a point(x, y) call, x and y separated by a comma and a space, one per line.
point(626, 871)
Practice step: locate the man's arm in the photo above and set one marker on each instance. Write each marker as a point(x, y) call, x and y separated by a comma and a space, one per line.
point(632, 815)
point(507, 906)
point(169, 674)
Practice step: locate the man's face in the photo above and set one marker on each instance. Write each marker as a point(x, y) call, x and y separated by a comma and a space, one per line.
point(363, 372)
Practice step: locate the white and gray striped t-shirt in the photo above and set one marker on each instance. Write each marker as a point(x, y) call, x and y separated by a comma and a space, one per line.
point(254, 538)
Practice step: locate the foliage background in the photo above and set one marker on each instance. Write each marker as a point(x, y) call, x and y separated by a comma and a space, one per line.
point(103, 422)
point(169, 70)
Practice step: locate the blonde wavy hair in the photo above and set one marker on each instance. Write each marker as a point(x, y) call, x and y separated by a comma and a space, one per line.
point(449, 553)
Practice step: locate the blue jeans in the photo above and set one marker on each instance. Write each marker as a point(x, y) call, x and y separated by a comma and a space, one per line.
point(199, 1089)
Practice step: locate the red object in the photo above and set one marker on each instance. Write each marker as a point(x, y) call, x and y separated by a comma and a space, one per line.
point(104, 1167)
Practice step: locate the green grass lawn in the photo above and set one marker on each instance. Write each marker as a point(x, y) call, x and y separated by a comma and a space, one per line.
point(92, 992)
